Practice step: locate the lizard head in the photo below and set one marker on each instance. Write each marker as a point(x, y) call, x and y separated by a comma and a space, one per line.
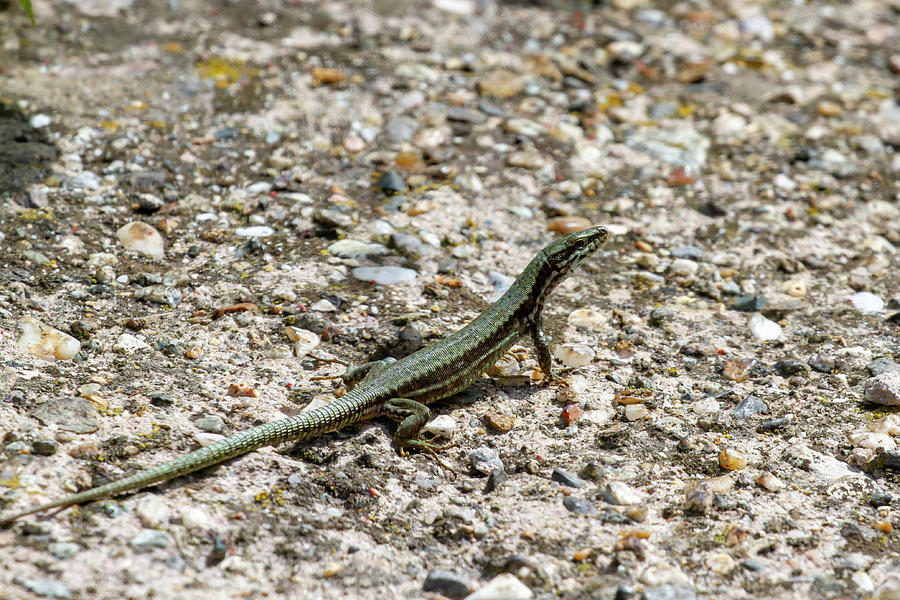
point(566, 253)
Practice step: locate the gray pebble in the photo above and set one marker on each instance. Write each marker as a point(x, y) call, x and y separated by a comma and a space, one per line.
point(485, 460)
point(48, 588)
point(881, 365)
point(822, 362)
point(789, 368)
point(391, 181)
point(147, 539)
point(448, 583)
point(495, 480)
point(660, 316)
point(774, 424)
point(749, 303)
point(69, 414)
point(691, 252)
point(669, 591)
point(579, 505)
point(210, 423)
point(63, 550)
point(159, 294)
point(566, 478)
point(749, 406)
point(884, 389)
point(45, 447)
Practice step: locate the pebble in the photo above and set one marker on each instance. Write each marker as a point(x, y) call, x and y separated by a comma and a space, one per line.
point(636, 412)
point(46, 342)
point(254, 231)
point(153, 512)
point(738, 369)
point(566, 478)
point(39, 121)
point(323, 305)
point(129, 344)
point(706, 406)
point(501, 84)
point(803, 457)
point(619, 492)
point(384, 275)
point(210, 423)
point(884, 389)
point(881, 365)
point(484, 460)
point(732, 460)
point(567, 224)
point(682, 147)
point(794, 287)
point(148, 539)
point(504, 586)
point(749, 406)
point(789, 368)
point(304, 340)
point(442, 426)
point(143, 238)
point(44, 447)
point(574, 355)
point(683, 268)
point(823, 362)
point(588, 318)
point(42, 586)
point(391, 182)
point(763, 329)
point(749, 303)
point(348, 248)
point(77, 415)
point(889, 424)
point(448, 583)
point(871, 440)
point(688, 252)
point(159, 294)
point(720, 563)
point(866, 303)
point(63, 550)
point(579, 505)
point(500, 422)
point(770, 482)
point(526, 159)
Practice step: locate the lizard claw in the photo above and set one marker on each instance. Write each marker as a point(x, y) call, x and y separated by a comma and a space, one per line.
point(431, 449)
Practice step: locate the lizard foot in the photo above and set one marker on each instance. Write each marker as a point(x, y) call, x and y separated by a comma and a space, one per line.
point(429, 448)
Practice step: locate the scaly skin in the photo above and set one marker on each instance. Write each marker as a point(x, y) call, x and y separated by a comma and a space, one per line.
point(402, 389)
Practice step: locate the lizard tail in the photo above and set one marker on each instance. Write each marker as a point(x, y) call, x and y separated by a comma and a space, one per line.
point(298, 427)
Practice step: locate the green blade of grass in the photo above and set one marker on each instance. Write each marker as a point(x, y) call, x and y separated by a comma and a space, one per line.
point(26, 4)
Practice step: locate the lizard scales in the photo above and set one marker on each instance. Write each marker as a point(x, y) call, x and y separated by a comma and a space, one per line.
point(401, 389)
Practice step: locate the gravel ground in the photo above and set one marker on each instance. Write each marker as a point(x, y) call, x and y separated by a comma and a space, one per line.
point(201, 202)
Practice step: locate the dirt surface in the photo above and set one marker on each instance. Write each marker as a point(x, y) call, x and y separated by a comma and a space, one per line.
point(716, 438)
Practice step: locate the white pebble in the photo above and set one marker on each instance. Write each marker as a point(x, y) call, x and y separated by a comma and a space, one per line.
point(706, 406)
point(866, 302)
point(619, 492)
point(46, 342)
point(40, 120)
point(383, 275)
point(443, 426)
point(863, 582)
point(636, 412)
point(764, 329)
point(304, 340)
point(587, 318)
point(785, 183)
point(352, 248)
point(195, 518)
point(502, 587)
point(574, 355)
point(254, 231)
point(720, 563)
point(128, 344)
point(153, 512)
point(872, 440)
point(143, 238)
point(323, 305)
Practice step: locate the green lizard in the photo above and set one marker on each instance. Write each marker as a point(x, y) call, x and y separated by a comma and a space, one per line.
point(401, 389)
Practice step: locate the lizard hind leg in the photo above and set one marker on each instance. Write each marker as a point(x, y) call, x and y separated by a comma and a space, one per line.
point(412, 417)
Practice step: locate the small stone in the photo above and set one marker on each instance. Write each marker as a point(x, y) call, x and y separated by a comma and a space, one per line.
point(625, 51)
point(148, 539)
point(442, 426)
point(619, 492)
point(794, 287)
point(738, 369)
point(327, 76)
point(504, 586)
point(866, 302)
point(732, 460)
point(304, 340)
point(683, 268)
point(77, 415)
point(822, 362)
point(448, 583)
point(384, 275)
point(579, 505)
point(566, 478)
point(129, 344)
point(884, 389)
point(770, 482)
point(749, 406)
point(574, 355)
point(526, 159)
point(45, 447)
point(879, 499)
point(210, 423)
point(39, 121)
point(501, 84)
point(660, 316)
point(871, 440)
point(749, 303)
point(143, 238)
point(42, 586)
point(323, 305)
point(63, 550)
point(153, 512)
point(254, 231)
point(881, 365)
point(484, 460)
point(706, 406)
point(567, 224)
point(720, 563)
point(789, 368)
point(495, 480)
point(588, 318)
point(828, 108)
point(391, 182)
point(636, 412)
point(889, 424)
point(46, 342)
point(763, 329)
point(499, 422)
point(348, 248)
point(571, 414)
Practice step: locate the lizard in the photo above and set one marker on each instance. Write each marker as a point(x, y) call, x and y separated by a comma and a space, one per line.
point(398, 389)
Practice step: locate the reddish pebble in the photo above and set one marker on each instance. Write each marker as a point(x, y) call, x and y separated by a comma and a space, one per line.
point(571, 413)
point(567, 224)
point(681, 176)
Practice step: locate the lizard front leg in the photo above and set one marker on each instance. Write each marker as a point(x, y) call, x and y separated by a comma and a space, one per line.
point(539, 339)
point(359, 373)
point(412, 417)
